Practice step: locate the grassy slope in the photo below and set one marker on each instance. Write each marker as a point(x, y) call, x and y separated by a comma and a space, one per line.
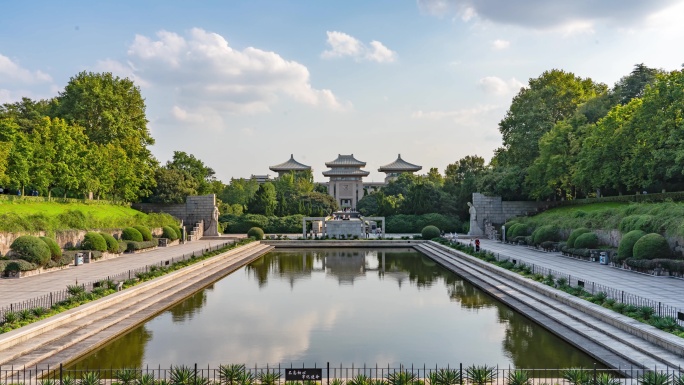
point(50, 216)
point(665, 218)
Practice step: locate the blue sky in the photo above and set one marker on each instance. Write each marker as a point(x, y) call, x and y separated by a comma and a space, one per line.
point(243, 84)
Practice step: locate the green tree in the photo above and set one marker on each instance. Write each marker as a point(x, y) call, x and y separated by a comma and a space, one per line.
point(264, 201)
point(633, 85)
point(460, 182)
point(173, 186)
point(196, 169)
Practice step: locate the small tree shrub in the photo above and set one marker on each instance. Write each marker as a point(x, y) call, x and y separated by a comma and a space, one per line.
point(256, 233)
point(516, 230)
point(169, 232)
point(430, 232)
point(31, 249)
point(55, 250)
point(112, 243)
point(652, 246)
point(574, 234)
point(586, 241)
point(131, 234)
point(20, 265)
point(135, 246)
point(179, 232)
point(626, 247)
point(643, 222)
point(546, 233)
point(94, 241)
point(145, 232)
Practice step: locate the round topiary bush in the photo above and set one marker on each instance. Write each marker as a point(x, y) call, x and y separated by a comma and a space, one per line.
point(547, 233)
point(516, 230)
point(652, 246)
point(112, 243)
point(574, 234)
point(626, 247)
point(31, 249)
point(179, 232)
point(131, 234)
point(145, 232)
point(256, 233)
point(430, 232)
point(170, 233)
point(587, 241)
point(55, 250)
point(94, 241)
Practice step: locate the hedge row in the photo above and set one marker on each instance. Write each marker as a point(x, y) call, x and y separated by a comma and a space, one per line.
point(17, 265)
point(135, 246)
point(672, 265)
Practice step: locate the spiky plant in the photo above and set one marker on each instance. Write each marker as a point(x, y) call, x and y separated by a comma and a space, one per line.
point(68, 380)
point(229, 374)
point(480, 375)
point(125, 376)
point(655, 378)
point(403, 377)
point(336, 381)
point(519, 377)
point(606, 379)
point(146, 379)
point(25, 314)
point(359, 379)
point(268, 377)
point(377, 381)
point(90, 378)
point(181, 375)
point(75, 290)
point(246, 378)
point(577, 376)
point(11, 317)
point(445, 377)
point(48, 381)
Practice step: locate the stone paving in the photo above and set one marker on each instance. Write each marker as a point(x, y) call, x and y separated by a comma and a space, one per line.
point(21, 289)
point(667, 290)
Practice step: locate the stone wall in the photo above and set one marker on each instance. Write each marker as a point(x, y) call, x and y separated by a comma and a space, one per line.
point(494, 211)
point(195, 209)
point(346, 228)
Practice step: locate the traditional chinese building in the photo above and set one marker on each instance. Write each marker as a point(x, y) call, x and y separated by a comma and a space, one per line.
point(290, 165)
point(397, 167)
point(346, 180)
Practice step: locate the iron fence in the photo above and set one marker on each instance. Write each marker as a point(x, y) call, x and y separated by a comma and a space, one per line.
point(46, 301)
point(458, 374)
point(660, 309)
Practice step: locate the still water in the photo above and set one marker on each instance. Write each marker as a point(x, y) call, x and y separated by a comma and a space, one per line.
point(341, 306)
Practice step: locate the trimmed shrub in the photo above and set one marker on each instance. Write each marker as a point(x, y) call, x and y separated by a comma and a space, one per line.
point(145, 232)
point(94, 241)
point(20, 265)
point(643, 222)
point(516, 230)
point(430, 232)
point(55, 250)
point(652, 246)
point(31, 249)
point(256, 233)
point(131, 234)
point(112, 243)
point(169, 232)
point(626, 247)
point(546, 233)
point(576, 233)
point(179, 232)
point(135, 246)
point(586, 241)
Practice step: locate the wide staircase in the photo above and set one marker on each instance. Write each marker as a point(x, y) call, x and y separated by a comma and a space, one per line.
point(77, 331)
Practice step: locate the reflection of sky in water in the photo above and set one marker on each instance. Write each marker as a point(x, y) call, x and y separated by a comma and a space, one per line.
point(339, 307)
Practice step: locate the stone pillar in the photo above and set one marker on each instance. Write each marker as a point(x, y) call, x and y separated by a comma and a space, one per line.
point(304, 227)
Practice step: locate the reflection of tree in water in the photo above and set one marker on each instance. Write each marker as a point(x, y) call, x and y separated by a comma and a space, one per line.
point(527, 344)
point(469, 296)
point(185, 310)
point(127, 351)
point(421, 270)
point(290, 265)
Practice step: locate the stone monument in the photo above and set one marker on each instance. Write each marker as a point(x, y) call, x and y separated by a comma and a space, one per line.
point(212, 225)
point(475, 229)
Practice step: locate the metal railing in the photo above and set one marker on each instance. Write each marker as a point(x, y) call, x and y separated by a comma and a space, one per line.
point(46, 301)
point(660, 309)
point(354, 374)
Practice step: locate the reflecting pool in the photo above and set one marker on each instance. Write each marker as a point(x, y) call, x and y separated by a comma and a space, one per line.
point(341, 306)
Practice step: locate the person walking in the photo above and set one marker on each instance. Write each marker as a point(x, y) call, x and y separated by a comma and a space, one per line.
point(477, 244)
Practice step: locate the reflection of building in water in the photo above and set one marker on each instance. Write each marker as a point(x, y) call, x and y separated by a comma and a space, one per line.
point(347, 265)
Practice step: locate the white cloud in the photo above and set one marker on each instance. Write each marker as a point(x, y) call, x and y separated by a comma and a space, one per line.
point(463, 116)
point(12, 73)
point(497, 86)
point(344, 45)
point(121, 70)
point(500, 44)
point(205, 75)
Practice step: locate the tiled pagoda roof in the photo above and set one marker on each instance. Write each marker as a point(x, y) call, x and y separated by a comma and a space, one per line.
point(290, 165)
point(400, 165)
point(345, 161)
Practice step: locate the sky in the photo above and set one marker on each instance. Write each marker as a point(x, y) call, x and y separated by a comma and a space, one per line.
point(243, 84)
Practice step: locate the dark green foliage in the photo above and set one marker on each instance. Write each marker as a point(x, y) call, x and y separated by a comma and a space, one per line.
point(55, 250)
point(31, 249)
point(516, 230)
point(178, 230)
point(652, 246)
point(574, 234)
point(112, 243)
point(256, 233)
point(169, 232)
point(643, 222)
point(20, 265)
point(135, 246)
point(94, 241)
point(671, 265)
point(145, 232)
point(403, 223)
point(587, 241)
point(430, 232)
point(546, 233)
point(131, 234)
point(626, 247)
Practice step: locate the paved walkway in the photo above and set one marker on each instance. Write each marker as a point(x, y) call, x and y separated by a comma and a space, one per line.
point(661, 289)
point(18, 290)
